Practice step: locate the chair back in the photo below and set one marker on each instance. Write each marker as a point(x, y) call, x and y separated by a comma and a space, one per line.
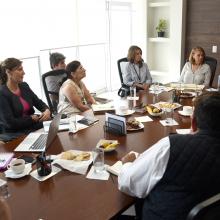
point(206, 210)
point(121, 66)
point(212, 62)
point(51, 83)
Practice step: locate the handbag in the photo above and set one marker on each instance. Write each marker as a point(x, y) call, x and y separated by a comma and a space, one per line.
point(124, 91)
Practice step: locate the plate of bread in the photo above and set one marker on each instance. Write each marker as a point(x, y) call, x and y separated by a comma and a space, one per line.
point(75, 155)
point(154, 111)
point(107, 145)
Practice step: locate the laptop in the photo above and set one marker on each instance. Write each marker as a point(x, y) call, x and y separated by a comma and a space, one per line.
point(40, 141)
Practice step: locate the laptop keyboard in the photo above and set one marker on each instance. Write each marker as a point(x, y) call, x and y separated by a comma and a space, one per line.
point(40, 143)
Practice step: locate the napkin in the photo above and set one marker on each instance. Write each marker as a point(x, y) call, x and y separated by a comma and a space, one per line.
point(183, 131)
point(143, 119)
point(164, 123)
point(97, 176)
point(54, 171)
point(74, 166)
point(211, 89)
point(10, 174)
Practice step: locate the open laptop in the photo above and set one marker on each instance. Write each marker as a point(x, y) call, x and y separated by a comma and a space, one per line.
point(40, 141)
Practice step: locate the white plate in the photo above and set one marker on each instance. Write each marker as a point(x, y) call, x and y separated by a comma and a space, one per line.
point(10, 174)
point(103, 141)
point(184, 113)
point(141, 126)
point(129, 112)
point(160, 105)
point(190, 95)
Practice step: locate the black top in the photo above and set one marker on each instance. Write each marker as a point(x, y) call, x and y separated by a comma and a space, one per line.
point(192, 175)
point(11, 109)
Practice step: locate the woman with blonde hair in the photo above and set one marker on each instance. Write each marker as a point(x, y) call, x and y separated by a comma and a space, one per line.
point(196, 71)
point(136, 71)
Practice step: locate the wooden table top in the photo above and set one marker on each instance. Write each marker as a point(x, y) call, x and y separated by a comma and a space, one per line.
point(71, 196)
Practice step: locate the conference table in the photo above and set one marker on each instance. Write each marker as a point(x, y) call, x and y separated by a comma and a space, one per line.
point(69, 195)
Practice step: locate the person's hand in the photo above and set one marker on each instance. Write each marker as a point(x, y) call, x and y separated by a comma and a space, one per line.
point(45, 116)
point(128, 158)
point(145, 86)
point(35, 118)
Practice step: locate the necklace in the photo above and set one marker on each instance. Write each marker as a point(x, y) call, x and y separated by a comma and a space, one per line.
point(138, 75)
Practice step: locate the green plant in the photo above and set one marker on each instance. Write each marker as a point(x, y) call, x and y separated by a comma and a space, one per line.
point(162, 25)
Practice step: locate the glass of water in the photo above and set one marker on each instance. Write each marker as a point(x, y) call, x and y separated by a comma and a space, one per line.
point(98, 160)
point(73, 124)
point(169, 115)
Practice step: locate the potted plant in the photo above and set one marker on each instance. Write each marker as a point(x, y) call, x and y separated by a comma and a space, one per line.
point(161, 27)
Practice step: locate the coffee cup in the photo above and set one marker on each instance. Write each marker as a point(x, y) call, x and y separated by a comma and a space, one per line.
point(17, 166)
point(121, 110)
point(187, 110)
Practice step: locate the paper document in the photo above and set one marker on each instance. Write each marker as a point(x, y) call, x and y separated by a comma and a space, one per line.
point(103, 107)
point(64, 124)
point(116, 167)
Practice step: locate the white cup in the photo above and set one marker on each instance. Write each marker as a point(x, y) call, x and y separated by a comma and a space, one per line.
point(17, 166)
point(187, 110)
point(98, 160)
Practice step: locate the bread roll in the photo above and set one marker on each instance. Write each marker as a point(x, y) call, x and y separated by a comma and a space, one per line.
point(68, 155)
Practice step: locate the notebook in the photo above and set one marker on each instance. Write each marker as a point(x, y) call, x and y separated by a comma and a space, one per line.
point(5, 159)
point(39, 142)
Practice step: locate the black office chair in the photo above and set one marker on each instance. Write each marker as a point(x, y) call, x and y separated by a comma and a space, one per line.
point(52, 95)
point(206, 210)
point(121, 62)
point(212, 62)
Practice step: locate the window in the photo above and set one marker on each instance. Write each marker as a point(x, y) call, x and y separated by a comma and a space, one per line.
point(87, 30)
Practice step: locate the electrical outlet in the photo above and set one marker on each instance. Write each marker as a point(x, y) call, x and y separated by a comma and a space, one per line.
point(214, 49)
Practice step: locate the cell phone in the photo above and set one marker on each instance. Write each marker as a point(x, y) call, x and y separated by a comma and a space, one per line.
point(28, 159)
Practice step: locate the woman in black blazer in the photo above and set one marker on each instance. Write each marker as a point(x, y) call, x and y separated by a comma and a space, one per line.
point(17, 100)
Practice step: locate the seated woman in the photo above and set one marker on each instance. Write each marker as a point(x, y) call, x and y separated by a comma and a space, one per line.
point(196, 71)
point(74, 97)
point(136, 71)
point(17, 100)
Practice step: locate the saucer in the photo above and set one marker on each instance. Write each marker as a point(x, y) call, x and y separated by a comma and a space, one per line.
point(128, 112)
point(184, 113)
point(10, 174)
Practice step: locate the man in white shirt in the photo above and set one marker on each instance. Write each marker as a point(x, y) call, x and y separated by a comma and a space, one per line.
point(179, 171)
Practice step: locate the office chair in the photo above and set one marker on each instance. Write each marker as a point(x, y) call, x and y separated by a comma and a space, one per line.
point(206, 210)
point(124, 90)
point(52, 91)
point(121, 65)
point(212, 62)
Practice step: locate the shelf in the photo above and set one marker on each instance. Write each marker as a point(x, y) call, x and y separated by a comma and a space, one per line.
point(159, 39)
point(159, 4)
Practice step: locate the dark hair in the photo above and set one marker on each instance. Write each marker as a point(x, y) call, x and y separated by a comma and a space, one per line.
point(10, 64)
point(195, 49)
point(207, 109)
point(131, 54)
point(55, 58)
point(71, 67)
